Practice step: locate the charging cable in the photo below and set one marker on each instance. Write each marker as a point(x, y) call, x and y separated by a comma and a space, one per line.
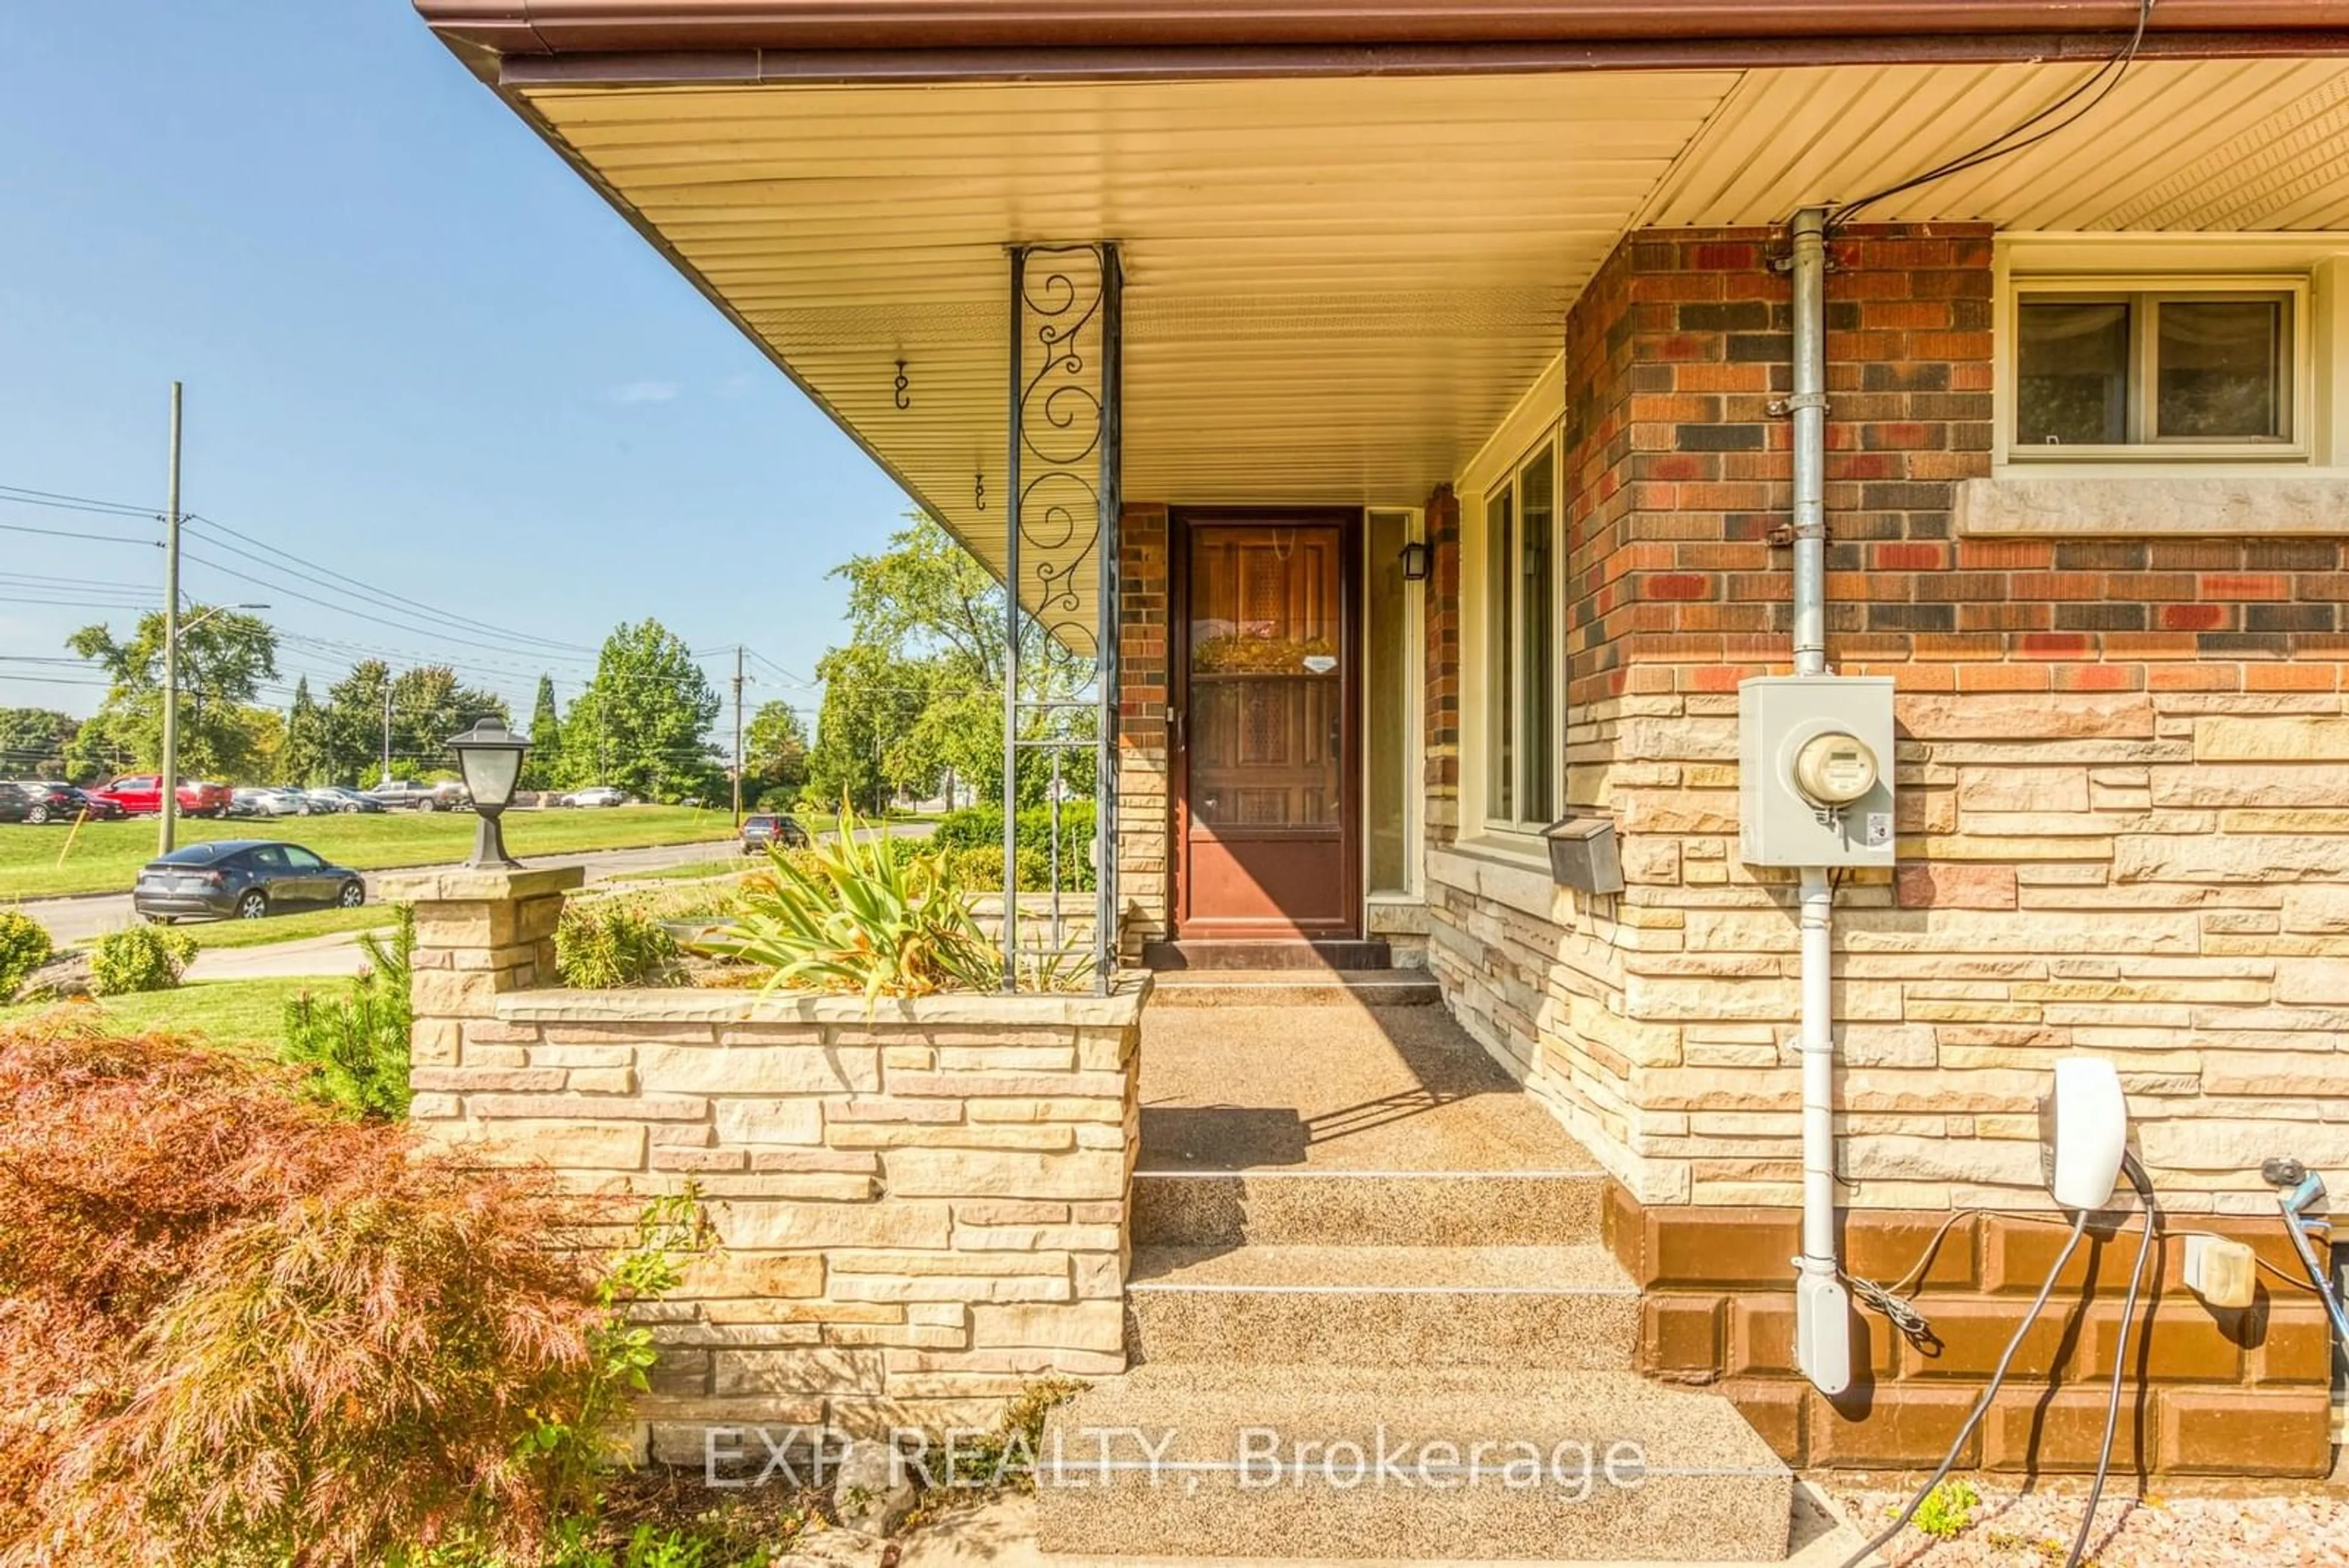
point(2144, 1185)
point(1997, 1376)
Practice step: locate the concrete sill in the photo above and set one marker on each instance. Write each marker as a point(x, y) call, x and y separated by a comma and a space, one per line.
point(1120, 1009)
point(2122, 506)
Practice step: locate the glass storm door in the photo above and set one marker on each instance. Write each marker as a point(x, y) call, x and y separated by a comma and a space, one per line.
point(1267, 817)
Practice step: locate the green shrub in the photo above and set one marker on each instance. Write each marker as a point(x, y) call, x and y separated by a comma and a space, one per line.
point(783, 797)
point(604, 944)
point(1948, 1510)
point(981, 870)
point(141, 957)
point(980, 827)
point(354, 1048)
point(850, 916)
point(23, 947)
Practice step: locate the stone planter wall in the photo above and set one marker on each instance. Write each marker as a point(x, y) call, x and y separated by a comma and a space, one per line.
point(919, 1211)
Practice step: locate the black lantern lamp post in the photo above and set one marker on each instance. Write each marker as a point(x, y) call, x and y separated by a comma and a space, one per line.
point(490, 755)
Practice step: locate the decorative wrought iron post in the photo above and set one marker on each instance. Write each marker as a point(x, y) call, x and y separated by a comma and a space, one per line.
point(1061, 475)
point(1109, 639)
point(1011, 528)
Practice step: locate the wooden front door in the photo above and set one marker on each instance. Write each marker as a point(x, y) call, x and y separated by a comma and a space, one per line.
point(1268, 807)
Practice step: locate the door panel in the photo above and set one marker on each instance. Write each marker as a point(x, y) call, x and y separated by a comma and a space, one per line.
point(1268, 812)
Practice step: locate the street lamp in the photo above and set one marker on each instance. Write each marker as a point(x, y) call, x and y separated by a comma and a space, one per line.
point(174, 630)
point(490, 756)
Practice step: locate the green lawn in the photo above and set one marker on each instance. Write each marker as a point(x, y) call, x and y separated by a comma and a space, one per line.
point(226, 1011)
point(698, 870)
point(105, 856)
point(290, 928)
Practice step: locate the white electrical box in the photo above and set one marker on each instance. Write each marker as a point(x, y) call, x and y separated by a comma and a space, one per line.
point(1814, 775)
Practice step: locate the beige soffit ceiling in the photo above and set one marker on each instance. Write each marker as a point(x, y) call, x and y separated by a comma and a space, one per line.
point(1338, 287)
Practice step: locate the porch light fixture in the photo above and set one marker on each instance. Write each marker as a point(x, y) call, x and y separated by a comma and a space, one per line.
point(490, 756)
point(1418, 561)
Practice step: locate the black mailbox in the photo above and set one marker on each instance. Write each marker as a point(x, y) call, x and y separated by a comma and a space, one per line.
point(1582, 852)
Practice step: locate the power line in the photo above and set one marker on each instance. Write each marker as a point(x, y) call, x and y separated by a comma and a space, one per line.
point(346, 609)
point(76, 503)
point(75, 534)
point(371, 593)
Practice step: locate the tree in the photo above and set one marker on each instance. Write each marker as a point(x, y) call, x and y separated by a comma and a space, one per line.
point(774, 752)
point(430, 704)
point(33, 743)
point(871, 703)
point(303, 759)
point(641, 723)
point(542, 768)
point(224, 658)
point(931, 619)
point(353, 724)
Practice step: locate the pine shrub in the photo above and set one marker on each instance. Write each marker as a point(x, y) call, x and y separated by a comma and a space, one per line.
point(604, 944)
point(355, 1047)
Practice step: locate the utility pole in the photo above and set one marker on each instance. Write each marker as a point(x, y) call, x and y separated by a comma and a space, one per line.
point(737, 737)
point(386, 725)
point(170, 800)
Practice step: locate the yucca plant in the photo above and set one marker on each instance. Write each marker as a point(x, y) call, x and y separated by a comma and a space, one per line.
point(850, 916)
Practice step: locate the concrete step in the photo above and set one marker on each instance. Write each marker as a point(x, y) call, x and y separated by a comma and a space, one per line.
point(1224, 1209)
point(1564, 1307)
point(1477, 1464)
point(1278, 953)
point(1295, 988)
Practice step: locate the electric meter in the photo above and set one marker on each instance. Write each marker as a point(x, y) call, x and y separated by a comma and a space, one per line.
point(1814, 770)
point(1835, 769)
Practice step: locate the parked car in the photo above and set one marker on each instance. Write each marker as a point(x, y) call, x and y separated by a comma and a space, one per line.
point(89, 806)
point(408, 794)
point(268, 801)
point(596, 796)
point(240, 879)
point(766, 830)
point(141, 794)
point(49, 801)
point(14, 803)
point(336, 799)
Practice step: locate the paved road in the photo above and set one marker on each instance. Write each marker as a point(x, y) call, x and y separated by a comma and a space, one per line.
point(73, 920)
point(339, 953)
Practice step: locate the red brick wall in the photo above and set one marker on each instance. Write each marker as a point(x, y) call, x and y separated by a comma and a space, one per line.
point(1441, 623)
point(1145, 805)
point(1683, 473)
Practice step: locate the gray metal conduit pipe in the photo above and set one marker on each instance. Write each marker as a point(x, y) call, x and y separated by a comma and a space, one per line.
point(1822, 1306)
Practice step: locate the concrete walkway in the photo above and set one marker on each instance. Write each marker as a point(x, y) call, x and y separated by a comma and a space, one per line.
point(327, 957)
point(1002, 1534)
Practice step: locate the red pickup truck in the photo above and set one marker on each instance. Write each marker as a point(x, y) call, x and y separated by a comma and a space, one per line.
point(141, 794)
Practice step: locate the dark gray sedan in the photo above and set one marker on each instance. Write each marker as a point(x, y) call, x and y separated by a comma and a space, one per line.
point(240, 879)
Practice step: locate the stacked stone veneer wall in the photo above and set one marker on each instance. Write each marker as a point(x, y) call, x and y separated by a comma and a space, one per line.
point(919, 1210)
point(2123, 823)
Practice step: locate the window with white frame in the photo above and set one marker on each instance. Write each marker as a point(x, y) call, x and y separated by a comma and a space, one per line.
point(1523, 657)
point(2157, 370)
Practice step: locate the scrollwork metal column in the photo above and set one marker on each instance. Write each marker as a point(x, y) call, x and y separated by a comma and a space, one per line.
point(1063, 453)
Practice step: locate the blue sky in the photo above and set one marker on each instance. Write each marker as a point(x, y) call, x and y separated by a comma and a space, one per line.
point(417, 351)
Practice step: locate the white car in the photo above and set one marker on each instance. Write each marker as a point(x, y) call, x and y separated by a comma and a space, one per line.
point(269, 803)
point(600, 794)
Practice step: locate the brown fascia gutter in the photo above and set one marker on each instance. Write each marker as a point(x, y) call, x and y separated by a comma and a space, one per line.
point(530, 42)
